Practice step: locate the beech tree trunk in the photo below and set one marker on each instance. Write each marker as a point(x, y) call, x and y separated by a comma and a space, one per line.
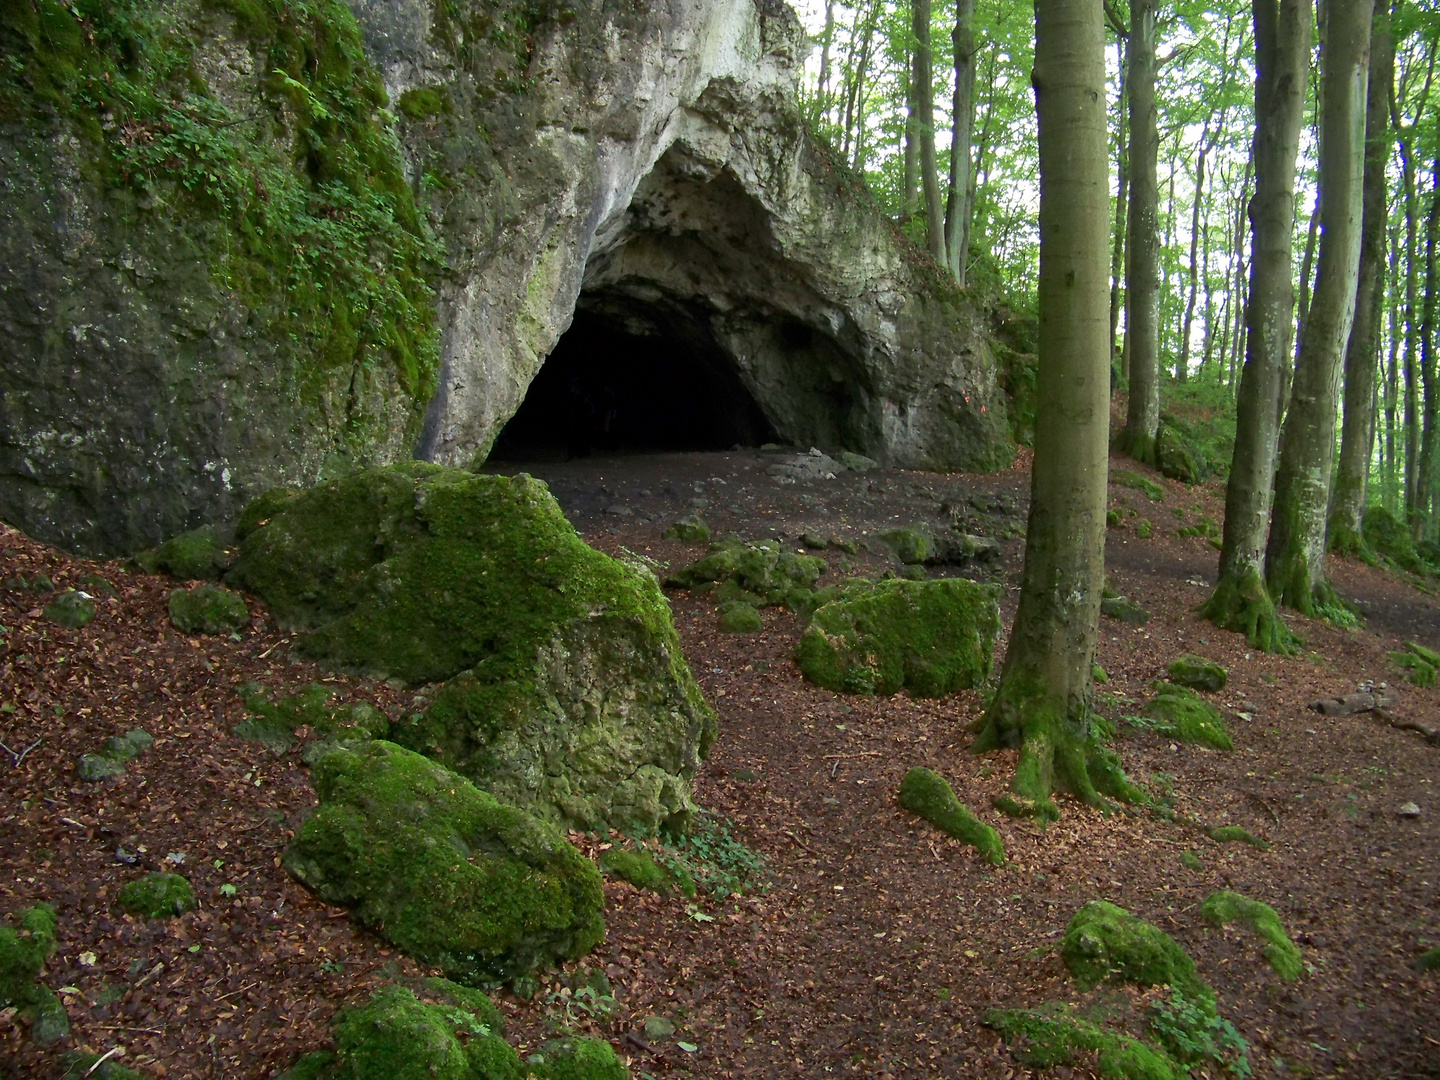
point(1182, 365)
point(960, 207)
point(924, 93)
point(1043, 704)
point(1282, 57)
point(1295, 556)
point(1117, 240)
point(1142, 252)
point(1347, 500)
point(1426, 470)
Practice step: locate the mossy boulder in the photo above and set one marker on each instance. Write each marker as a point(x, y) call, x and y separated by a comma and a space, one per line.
point(928, 794)
point(1225, 907)
point(1421, 665)
point(639, 868)
point(1056, 1034)
point(277, 723)
point(921, 545)
point(1179, 713)
point(576, 1058)
point(1106, 943)
point(23, 952)
point(71, 609)
point(929, 637)
point(1387, 536)
point(911, 544)
point(113, 756)
point(1177, 455)
point(207, 609)
point(157, 896)
point(1125, 610)
point(197, 555)
point(443, 870)
point(1198, 673)
point(690, 529)
point(1429, 960)
point(762, 573)
point(738, 617)
point(564, 689)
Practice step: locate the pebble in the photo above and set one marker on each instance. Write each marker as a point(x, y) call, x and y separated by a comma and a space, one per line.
point(1408, 809)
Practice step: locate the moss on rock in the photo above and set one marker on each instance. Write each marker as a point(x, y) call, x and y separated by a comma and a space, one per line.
point(639, 868)
point(1421, 665)
point(1230, 834)
point(71, 609)
point(1106, 943)
point(577, 1058)
point(911, 544)
point(207, 609)
point(566, 690)
point(929, 637)
point(738, 617)
point(157, 896)
point(81, 1066)
point(444, 871)
point(764, 572)
point(1387, 536)
point(277, 722)
point(690, 529)
point(1429, 960)
point(928, 794)
point(1179, 713)
point(23, 952)
point(1198, 673)
point(1224, 907)
point(1056, 1034)
point(197, 555)
point(112, 757)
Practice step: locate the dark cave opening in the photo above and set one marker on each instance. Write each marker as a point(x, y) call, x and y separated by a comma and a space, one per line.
point(623, 380)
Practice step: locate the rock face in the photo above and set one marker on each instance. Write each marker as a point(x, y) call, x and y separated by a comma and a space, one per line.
point(359, 282)
point(563, 689)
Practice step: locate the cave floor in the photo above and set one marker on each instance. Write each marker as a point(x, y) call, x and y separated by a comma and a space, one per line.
point(876, 943)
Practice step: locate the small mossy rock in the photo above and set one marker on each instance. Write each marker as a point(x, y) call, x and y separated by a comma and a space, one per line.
point(1198, 673)
point(111, 759)
point(157, 896)
point(1179, 713)
point(738, 617)
point(1236, 834)
point(1143, 529)
point(1106, 943)
point(274, 723)
point(1177, 456)
point(690, 529)
point(1118, 607)
point(96, 585)
point(576, 1058)
point(79, 1066)
point(929, 637)
point(1149, 488)
point(857, 462)
point(928, 794)
point(207, 609)
point(1386, 536)
point(764, 572)
point(565, 690)
point(1421, 665)
point(36, 583)
point(197, 555)
point(71, 609)
point(23, 952)
point(92, 768)
point(1055, 1034)
point(443, 870)
point(912, 544)
point(1225, 907)
point(1428, 960)
point(639, 868)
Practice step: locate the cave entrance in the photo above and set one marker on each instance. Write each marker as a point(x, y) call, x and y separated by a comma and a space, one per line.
point(626, 378)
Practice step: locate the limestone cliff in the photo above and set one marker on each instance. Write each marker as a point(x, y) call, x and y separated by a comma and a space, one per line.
point(256, 242)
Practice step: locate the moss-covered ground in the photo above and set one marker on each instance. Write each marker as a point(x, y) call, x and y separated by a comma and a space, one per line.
point(1226, 906)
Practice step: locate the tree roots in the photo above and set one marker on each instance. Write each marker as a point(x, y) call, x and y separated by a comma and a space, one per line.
point(1242, 604)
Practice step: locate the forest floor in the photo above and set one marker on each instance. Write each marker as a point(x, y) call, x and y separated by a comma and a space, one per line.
point(874, 944)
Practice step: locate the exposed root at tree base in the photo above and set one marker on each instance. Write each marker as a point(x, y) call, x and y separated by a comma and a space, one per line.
point(1241, 604)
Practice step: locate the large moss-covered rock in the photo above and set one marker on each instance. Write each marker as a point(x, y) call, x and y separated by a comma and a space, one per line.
point(761, 574)
point(443, 870)
point(23, 952)
point(1104, 942)
point(157, 896)
point(207, 609)
point(929, 637)
point(1198, 673)
point(1177, 712)
point(199, 554)
point(564, 688)
point(1385, 535)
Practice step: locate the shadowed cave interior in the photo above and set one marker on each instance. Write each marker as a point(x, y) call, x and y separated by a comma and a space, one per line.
point(630, 377)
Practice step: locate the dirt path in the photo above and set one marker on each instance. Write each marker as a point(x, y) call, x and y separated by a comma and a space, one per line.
point(879, 942)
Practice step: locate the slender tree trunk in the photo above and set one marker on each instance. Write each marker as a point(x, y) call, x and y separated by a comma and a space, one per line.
point(1426, 471)
point(822, 84)
point(1362, 354)
point(1044, 699)
point(1392, 384)
point(1182, 365)
point(1295, 556)
point(1142, 258)
point(1282, 57)
point(1411, 429)
point(923, 90)
point(1307, 271)
point(961, 203)
point(1122, 184)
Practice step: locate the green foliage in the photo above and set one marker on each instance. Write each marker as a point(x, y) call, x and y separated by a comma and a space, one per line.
point(305, 205)
point(928, 794)
point(711, 856)
point(1224, 907)
point(1107, 943)
point(1389, 538)
point(157, 896)
point(442, 870)
point(1195, 1033)
point(1053, 1035)
point(1198, 673)
point(207, 609)
point(929, 637)
point(1201, 412)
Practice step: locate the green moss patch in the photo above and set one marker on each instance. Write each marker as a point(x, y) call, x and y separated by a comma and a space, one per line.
point(1429, 960)
point(157, 896)
point(1387, 536)
point(928, 637)
point(928, 794)
point(1198, 673)
point(1232, 834)
point(23, 951)
point(444, 871)
point(81, 1066)
point(1106, 943)
point(96, 585)
point(1225, 907)
point(197, 555)
point(1421, 665)
point(639, 868)
point(113, 756)
point(1149, 488)
point(278, 722)
point(565, 689)
point(575, 1058)
point(911, 544)
point(1177, 455)
point(1057, 1035)
point(72, 610)
point(1126, 611)
point(1179, 713)
point(690, 529)
point(738, 617)
point(208, 609)
point(762, 573)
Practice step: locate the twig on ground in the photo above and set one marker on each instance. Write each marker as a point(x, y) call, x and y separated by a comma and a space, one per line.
point(15, 758)
point(101, 1059)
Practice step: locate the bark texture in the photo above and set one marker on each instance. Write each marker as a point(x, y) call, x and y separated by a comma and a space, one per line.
point(961, 206)
point(1295, 556)
point(1240, 601)
point(924, 91)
